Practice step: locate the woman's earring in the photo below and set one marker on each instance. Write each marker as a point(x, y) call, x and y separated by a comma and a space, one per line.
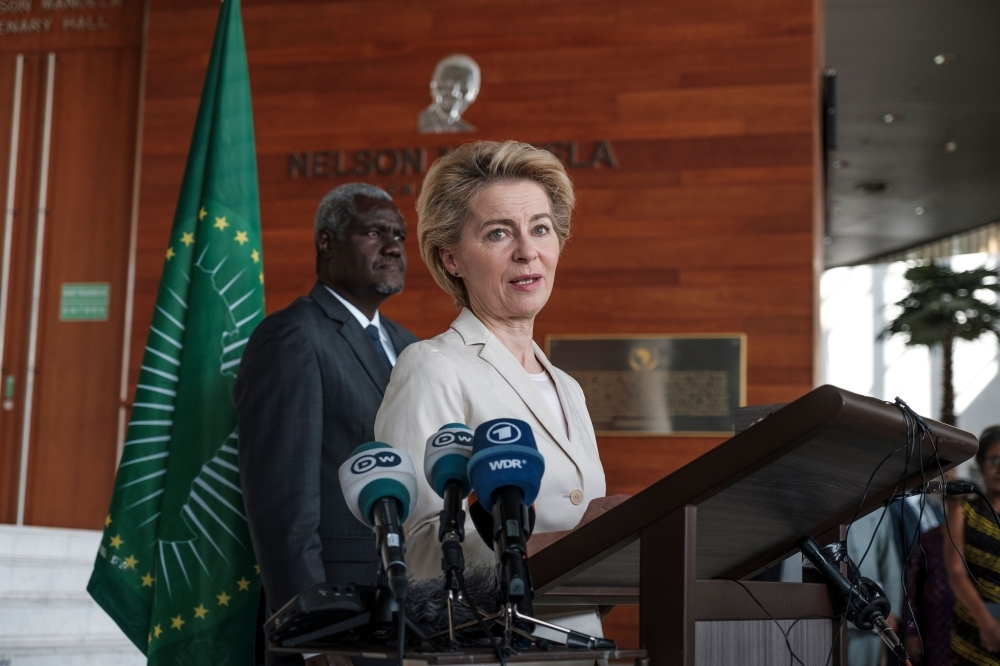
point(456, 273)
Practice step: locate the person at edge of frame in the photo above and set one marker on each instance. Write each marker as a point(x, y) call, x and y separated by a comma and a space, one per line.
point(975, 634)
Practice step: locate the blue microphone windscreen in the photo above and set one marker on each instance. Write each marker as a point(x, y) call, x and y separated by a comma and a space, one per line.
point(446, 457)
point(376, 470)
point(504, 453)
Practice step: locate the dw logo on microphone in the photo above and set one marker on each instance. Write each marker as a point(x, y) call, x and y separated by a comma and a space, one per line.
point(447, 438)
point(503, 433)
point(366, 463)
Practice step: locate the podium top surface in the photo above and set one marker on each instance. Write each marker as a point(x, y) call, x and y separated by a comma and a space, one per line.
point(803, 469)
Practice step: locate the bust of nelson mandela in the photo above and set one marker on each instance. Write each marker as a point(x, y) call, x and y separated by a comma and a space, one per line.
point(454, 87)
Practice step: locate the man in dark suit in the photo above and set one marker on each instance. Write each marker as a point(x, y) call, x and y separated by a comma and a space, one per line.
point(310, 383)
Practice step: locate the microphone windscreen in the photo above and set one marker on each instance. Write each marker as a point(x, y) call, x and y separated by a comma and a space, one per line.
point(504, 453)
point(376, 470)
point(446, 457)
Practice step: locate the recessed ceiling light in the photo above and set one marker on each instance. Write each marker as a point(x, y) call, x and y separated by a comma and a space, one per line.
point(919, 210)
point(840, 164)
point(890, 118)
point(873, 186)
point(827, 241)
point(944, 58)
point(950, 147)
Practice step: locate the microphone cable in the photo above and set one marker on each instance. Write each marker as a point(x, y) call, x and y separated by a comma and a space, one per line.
point(784, 633)
point(907, 447)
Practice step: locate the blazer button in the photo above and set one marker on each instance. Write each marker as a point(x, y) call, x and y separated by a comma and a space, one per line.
point(576, 497)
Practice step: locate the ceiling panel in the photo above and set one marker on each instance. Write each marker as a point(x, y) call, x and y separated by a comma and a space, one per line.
point(883, 53)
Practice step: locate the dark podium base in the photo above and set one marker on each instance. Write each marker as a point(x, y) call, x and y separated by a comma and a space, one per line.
point(468, 656)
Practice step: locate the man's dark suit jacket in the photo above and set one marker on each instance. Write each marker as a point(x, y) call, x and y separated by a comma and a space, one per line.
point(309, 386)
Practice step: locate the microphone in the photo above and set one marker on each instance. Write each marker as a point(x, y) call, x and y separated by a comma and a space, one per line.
point(446, 460)
point(506, 471)
point(380, 486)
point(860, 599)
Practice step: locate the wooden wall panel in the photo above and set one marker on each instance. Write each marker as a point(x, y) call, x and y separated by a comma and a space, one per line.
point(705, 226)
point(86, 215)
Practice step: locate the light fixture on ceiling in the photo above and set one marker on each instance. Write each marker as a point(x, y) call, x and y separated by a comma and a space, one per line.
point(840, 164)
point(950, 147)
point(873, 186)
point(890, 118)
point(919, 210)
point(944, 58)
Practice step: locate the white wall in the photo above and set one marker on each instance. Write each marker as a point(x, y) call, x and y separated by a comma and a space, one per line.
point(856, 303)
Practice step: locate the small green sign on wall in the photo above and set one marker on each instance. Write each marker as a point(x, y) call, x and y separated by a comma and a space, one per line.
point(84, 301)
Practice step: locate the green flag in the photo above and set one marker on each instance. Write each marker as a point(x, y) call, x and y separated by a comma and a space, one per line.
point(176, 569)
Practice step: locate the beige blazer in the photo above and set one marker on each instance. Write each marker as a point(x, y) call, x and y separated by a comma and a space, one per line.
point(465, 375)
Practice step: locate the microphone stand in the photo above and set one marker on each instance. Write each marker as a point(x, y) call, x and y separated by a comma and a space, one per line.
point(511, 531)
point(860, 599)
point(451, 534)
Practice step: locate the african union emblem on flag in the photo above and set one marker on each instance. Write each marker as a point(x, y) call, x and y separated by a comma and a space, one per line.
point(176, 569)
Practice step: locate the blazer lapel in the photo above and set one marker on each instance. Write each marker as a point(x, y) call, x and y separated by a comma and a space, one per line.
point(565, 399)
point(493, 352)
point(355, 336)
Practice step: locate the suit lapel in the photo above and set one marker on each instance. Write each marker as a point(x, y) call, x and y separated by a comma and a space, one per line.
point(355, 336)
point(493, 352)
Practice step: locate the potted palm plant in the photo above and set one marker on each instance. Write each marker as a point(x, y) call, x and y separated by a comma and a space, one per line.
point(943, 306)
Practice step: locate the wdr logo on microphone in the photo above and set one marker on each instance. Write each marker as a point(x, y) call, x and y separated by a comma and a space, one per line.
point(366, 463)
point(447, 438)
point(513, 463)
point(503, 433)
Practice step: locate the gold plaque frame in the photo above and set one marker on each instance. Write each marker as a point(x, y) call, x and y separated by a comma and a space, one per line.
point(742, 369)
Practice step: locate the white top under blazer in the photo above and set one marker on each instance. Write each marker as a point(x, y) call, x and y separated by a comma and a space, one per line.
point(466, 375)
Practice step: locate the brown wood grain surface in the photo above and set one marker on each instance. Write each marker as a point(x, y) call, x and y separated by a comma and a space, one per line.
point(706, 224)
point(89, 206)
point(87, 215)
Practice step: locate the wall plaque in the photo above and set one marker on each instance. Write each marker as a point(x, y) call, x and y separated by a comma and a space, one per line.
point(682, 385)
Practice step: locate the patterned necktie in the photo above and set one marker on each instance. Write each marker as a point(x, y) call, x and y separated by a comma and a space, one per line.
point(373, 333)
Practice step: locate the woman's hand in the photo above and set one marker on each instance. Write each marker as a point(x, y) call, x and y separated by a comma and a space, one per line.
point(597, 507)
point(600, 506)
point(989, 634)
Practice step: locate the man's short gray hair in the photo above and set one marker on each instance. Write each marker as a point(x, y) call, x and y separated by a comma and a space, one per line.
point(337, 207)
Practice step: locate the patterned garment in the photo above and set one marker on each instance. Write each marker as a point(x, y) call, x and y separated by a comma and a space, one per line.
point(931, 598)
point(982, 552)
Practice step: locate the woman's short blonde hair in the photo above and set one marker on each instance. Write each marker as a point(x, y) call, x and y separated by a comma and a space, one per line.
point(454, 181)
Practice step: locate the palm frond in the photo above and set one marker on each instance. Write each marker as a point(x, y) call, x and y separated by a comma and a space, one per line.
point(944, 304)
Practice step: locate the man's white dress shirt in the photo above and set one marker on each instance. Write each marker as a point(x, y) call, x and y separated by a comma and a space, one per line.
point(365, 322)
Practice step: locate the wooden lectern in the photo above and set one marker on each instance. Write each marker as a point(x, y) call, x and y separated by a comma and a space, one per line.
point(729, 514)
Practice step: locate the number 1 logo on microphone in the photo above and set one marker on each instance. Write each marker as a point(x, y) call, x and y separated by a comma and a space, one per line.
point(503, 433)
point(367, 463)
